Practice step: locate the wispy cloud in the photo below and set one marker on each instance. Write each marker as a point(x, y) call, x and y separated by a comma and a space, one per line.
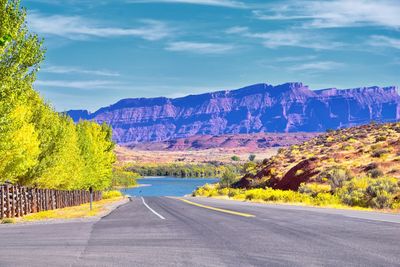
point(87, 85)
point(77, 70)
point(200, 48)
point(317, 66)
point(384, 41)
point(288, 38)
point(220, 3)
point(296, 58)
point(336, 13)
point(76, 27)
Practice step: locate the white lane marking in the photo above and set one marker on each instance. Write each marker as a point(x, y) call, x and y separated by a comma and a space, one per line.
point(153, 211)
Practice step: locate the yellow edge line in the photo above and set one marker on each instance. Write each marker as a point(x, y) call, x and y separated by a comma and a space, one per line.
point(217, 209)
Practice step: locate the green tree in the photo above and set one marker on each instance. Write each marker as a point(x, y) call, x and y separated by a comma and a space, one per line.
point(228, 178)
point(20, 55)
point(235, 158)
point(96, 149)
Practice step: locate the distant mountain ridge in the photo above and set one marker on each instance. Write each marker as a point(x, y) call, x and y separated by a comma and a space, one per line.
point(289, 107)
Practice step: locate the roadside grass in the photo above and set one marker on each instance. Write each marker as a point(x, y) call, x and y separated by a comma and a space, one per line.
point(82, 211)
point(286, 197)
point(7, 221)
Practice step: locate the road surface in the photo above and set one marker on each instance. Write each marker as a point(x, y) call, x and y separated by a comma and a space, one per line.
point(208, 232)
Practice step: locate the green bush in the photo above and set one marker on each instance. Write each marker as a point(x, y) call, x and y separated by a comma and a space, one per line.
point(381, 192)
point(313, 189)
point(336, 176)
point(235, 158)
point(368, 192)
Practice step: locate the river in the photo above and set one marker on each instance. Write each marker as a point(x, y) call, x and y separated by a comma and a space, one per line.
point(167, 186)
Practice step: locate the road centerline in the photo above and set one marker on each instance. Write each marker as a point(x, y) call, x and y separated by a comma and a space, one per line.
point(218, 209)
point(150, 209)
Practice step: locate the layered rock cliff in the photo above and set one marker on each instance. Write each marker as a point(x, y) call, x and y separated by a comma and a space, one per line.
point(290, 107)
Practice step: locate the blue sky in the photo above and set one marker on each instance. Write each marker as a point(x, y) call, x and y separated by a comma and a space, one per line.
point(101, 51)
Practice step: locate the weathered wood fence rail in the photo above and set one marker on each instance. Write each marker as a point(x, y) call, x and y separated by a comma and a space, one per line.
point(17, 201)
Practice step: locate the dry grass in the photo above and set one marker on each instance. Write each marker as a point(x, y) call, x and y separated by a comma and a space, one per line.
point(82, 211)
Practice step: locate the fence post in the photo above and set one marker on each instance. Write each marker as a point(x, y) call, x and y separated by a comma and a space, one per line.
point(2, 202)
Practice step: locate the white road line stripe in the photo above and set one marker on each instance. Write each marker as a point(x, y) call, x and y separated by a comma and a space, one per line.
point(153, 211)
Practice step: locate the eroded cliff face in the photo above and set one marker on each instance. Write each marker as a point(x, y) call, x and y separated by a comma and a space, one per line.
point(289, 107)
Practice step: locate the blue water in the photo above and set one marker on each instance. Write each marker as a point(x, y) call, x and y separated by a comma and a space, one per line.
point(167, 186)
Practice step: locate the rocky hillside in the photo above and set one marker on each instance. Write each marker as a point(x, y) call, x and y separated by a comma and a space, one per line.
point(332, 158)
point(290, 107)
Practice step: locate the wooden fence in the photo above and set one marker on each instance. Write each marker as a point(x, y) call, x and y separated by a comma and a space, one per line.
point(17, 201)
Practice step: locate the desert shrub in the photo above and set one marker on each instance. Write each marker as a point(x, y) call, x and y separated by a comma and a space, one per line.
point(374, 173)
point(379, 153)
point(270, 194)
point(380, 138)
point(396, 204)
point(313, 189)
point(371, 166)
point(295, 152)
point(330, 139)
point(353, 192)
point(205, 190)
point(347, 147)
point(323, 199)
point(381, 192)
point(223, 191)
point(367, 192)
point(111, 194)
point(336, 176)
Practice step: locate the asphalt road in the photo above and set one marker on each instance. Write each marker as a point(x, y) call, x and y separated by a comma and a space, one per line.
point(171, 232)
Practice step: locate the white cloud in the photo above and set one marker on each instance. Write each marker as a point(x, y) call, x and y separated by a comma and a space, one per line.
point(237, 29)
point(316, 66)
point(68, 70)
point(76, 27)
point(290, 38)
point(221, 3)
point(380, 40)
point(200, 48)
point(336, 13)
point(87, 85)
point(296, 58)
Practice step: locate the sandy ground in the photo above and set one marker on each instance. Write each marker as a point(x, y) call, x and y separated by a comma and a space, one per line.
point(199, 156)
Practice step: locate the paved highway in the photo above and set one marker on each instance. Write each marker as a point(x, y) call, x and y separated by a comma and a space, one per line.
point(208, 232)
